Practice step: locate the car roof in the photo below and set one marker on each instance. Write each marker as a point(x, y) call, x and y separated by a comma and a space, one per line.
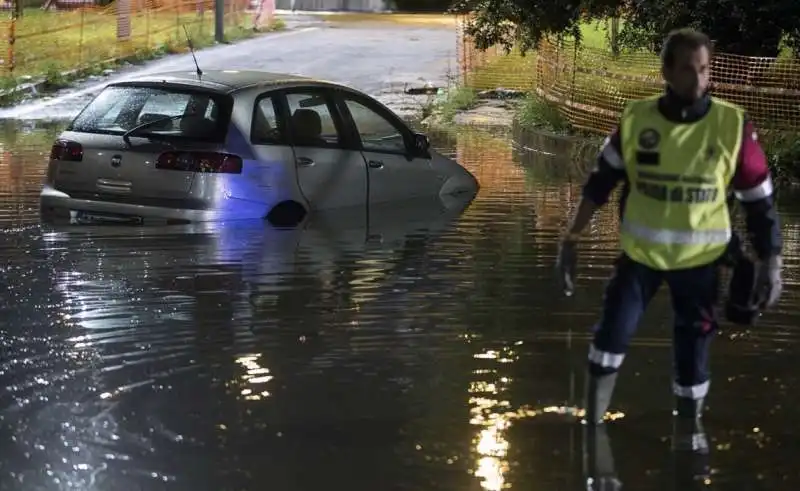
point(227, 81)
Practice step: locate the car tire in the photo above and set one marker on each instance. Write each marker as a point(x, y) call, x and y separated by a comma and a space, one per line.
point(286, 214)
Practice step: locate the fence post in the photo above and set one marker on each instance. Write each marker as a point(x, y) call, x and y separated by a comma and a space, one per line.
point(572, 84)
point(461, 42)
point(123, 20)
point(219, 21)
point(12, 36)
point(80, 40)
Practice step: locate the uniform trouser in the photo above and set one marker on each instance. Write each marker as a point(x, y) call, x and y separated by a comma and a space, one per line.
point(694, 295)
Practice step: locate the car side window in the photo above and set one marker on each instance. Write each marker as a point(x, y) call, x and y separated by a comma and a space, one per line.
point(115, 111)
point(377, 133)
point(311, 120)
point(166, 104)
point(264, 129)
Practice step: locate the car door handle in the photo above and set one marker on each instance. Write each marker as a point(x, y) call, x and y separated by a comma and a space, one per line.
point(375, 164)
point(304, 161)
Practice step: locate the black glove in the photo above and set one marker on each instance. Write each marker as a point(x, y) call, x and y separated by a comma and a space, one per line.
point(768, 284)
point(566, 265)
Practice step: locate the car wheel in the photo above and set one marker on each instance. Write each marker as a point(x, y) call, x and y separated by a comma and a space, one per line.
point(286, 214)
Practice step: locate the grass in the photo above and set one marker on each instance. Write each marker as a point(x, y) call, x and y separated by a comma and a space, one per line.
point(596, 35)
point(595, 57)
point(536, 112)
point(60, 46)
point(409, 19)
point(511, 71)
point(457, 99)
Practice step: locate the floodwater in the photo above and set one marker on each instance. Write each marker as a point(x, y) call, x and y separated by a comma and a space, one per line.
point(426, 349)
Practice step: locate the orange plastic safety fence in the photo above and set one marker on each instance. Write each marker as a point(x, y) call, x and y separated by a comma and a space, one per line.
point(591, 85)
point(47, 42)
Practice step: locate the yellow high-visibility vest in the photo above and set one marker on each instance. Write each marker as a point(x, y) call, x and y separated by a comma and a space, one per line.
point(676, 214)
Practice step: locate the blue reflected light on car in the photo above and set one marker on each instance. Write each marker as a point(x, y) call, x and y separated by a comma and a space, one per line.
point(252, 193)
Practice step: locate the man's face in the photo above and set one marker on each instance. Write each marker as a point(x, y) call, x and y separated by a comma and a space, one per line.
point(690, 73)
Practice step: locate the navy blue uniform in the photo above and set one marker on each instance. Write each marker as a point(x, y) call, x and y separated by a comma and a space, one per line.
point(693, 291)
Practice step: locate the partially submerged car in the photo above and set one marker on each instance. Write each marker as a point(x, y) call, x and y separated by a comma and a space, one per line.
point(237, 145)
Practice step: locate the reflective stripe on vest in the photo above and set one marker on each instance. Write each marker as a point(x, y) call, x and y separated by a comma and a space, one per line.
point(676, 213)
point(665, 236)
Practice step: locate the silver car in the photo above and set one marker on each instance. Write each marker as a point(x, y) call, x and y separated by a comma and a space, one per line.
point(236, 144)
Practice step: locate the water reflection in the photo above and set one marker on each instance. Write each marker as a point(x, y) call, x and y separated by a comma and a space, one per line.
point(488, 412)
point(255, 377)
point(419, 345)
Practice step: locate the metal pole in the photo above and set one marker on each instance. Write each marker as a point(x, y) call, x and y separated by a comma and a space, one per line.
point(12, 36)
point(219, 20)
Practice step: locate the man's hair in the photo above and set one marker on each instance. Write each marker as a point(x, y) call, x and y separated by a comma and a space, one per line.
point(681, 39)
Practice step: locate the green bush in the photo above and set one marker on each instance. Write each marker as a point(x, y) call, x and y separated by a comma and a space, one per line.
point(783, 155)
point(457, 99)
point(538, 113)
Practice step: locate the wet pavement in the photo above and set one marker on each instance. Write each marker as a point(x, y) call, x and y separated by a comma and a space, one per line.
point(380, 58)
point(420, 348)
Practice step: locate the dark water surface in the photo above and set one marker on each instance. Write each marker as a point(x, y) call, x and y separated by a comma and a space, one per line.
point(423, 350)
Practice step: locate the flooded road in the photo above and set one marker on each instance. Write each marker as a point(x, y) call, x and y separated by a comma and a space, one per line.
point(419, 349)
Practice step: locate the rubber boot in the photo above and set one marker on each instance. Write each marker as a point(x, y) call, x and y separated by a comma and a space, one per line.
point(688, 433)
point(690, 449)
point(599, 389)
point(598, 460)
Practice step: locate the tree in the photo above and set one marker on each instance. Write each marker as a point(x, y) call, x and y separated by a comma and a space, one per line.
point(793, 41)
point(746, 28)
point(524, 23)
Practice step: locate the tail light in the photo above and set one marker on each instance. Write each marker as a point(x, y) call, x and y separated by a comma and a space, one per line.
point(212, 162)
point(66, 150)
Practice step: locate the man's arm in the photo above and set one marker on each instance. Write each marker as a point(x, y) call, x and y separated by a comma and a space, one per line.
point(753, 187)
point(608, 172)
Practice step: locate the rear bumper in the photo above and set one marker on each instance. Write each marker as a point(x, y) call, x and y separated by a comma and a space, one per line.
point(55, 204)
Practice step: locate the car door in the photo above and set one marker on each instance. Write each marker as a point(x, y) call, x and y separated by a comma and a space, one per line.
point(394, 172)
point(269, 179)
point(331, 174)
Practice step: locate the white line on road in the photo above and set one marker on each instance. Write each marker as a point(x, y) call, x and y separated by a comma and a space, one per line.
point(20, 112)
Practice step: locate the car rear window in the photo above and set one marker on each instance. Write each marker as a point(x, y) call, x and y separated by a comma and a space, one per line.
point(198, 115)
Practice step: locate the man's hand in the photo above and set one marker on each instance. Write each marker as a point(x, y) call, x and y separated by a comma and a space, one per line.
point(566, 265)
point(768, 284)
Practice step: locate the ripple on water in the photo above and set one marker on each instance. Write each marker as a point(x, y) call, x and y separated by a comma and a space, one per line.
point(426, 348)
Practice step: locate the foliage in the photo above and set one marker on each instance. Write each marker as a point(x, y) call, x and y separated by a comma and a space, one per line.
point(536, 112)
point(524, 23)
point(792, 40)
point(458, 99)
point(783, 154)
point(746, 28)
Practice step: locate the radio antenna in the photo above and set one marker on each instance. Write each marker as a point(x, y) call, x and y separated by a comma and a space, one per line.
point(191, 50)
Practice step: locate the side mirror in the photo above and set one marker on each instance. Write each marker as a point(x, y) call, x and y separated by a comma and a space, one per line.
point(421, 144)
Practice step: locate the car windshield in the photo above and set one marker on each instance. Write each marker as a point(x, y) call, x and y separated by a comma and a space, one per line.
point(182, 114)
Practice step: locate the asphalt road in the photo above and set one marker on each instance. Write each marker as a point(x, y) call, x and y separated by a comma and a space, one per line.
point(380, 58)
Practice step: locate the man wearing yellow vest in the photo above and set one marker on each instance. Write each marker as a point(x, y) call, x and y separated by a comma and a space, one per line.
point(678, 155)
